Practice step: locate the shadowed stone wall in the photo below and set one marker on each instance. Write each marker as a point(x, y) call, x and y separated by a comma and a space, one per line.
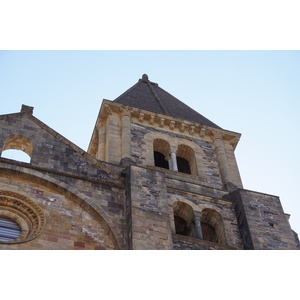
point(262, 221)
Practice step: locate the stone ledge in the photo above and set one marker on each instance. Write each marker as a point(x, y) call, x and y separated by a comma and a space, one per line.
point(189, 243)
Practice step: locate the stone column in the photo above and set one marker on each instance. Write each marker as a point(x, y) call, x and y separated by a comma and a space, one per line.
point(197, 218)
point(170, 163)
point(221, 158)
point(101, 141)
point(174, 161)
point(126, 138)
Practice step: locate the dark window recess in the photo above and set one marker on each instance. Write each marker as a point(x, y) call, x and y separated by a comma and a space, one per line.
point(160, 161)
point(183, 165)
point(209, 232)
point(9, 229)
point(181, 226)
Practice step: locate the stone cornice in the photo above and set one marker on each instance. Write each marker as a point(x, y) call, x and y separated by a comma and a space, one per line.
point(164, 122)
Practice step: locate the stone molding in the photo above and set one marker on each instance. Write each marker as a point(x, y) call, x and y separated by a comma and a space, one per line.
point(166, 122)
point(25, 212)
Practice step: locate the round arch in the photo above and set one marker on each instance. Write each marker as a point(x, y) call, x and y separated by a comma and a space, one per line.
point(212, 226)
point(18, 142)
point(183, 218)
point(33, 176)
point(149, 145)
point(161, 151)
point(211, 215)
point(174, 142)
point(187, 154)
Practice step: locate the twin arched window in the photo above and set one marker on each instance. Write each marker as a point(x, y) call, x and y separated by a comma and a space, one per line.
point(183, 160)
point(211, 223)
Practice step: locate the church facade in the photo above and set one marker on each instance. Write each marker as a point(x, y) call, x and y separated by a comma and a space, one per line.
point(156, 175)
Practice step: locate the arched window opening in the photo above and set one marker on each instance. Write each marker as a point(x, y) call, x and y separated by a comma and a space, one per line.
point(209, 232)
point(183, 165)
point(212, 226)
point(9, 229)
point(161, 150)
point(17, 155)
point(160, 161)
point(181, 226)
point(17, 147)
point(186, 160)
point(184, 219)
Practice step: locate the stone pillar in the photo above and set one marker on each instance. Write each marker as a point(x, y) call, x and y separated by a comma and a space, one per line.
point(108, 139)
point(113, 142)
point(174, 161)
point(221, 158)
point(197, 218)
point(170, 163)
point(101, 141)
point(126, 137)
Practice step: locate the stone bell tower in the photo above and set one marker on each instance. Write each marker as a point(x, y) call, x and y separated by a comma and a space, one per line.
point(183, 186)
point(157, 175)
point(147, 105)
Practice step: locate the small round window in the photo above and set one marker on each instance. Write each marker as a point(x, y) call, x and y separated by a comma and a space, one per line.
point(9, 229)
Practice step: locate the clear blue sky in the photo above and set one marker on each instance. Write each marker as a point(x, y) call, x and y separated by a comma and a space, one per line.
point(255, 93)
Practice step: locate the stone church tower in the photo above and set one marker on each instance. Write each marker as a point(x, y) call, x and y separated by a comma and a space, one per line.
point(157, 175)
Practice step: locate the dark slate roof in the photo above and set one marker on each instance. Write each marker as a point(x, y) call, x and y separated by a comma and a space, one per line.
point(149, 96)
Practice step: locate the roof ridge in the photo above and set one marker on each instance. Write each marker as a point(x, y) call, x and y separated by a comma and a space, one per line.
point(145, 79)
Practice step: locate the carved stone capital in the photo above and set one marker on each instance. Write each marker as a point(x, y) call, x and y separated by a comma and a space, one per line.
point(173, 149)
point(216, 135)
point(197, 215)
point(125, 112)
point(107, 109)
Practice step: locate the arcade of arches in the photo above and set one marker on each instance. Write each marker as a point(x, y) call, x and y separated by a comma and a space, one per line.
point(207, 225)
point(183, 160)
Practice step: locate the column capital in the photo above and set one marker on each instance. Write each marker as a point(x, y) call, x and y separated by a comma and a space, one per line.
point(217, 135)
point(125, 113)
point(197, 215)
point(107, 109)
point(173, 149)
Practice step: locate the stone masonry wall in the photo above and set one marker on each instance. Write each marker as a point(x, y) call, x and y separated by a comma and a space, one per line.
point(208, 160)
point(149, 207)
point(49, 149)
point(67, 225)
point(201, 197)
point(262, 222)
point(66, 170)
point(181, 242)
